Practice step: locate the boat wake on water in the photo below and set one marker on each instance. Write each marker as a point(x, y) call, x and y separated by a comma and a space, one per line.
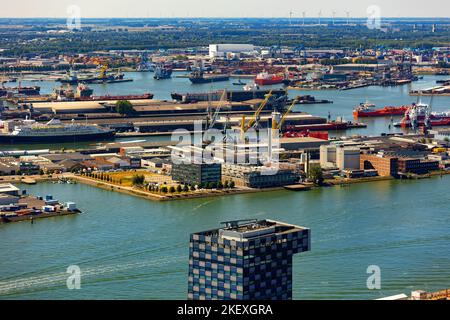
point(59, 279)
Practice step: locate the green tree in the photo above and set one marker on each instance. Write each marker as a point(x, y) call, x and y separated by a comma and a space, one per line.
point(232, 184)
point(179, 188)
point(226, 185)
point(172, 189)
point(186, 188)
point(315, 174)
point(124, 108)
point(164, 189)
point(138, 180)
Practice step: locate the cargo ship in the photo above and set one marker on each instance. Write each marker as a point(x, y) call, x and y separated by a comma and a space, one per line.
point(420, 115)
point(265, 79)
point(72, 78)
point(84, 93)
point(145, 96)
point(29, 131)
point(232, 95)
point(365, 110)
point(329, 126)
point(27, 91)
point(198, 77)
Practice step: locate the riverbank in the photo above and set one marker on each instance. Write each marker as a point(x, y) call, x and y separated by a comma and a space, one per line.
point(133, 191)
point(28, 179)
point(402, 226)
point(220, 193)
point(199, 194)
point(32, 218)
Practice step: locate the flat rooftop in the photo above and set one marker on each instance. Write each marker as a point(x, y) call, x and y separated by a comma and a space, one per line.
point(250, 229)
point(7, 187)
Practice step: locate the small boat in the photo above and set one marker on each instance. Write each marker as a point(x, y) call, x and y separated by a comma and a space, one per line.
point(239, 83)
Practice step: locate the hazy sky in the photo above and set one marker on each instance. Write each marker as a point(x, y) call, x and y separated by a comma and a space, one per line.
point(223, 8)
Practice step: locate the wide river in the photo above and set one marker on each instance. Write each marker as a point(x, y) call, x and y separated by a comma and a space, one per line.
point(344, 101)
point(132, 248)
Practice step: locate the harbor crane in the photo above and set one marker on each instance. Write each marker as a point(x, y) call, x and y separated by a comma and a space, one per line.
point(279, 126)
point(212, 120)
point(245, 126)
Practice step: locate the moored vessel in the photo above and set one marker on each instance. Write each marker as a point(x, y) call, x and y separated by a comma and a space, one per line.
point(265, 79)
point(30, 131)
point(198, 77)
point(365, 110)
point(420, 115)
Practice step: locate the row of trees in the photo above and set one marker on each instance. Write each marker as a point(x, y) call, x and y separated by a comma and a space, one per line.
point(102, 177)
point(187, 34)
point(139, 181)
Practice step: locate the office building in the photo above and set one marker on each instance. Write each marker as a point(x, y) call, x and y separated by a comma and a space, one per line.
point(245, 260)
point(259, 177)
point(196, 174)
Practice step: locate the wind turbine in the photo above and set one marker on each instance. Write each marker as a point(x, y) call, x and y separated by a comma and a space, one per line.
point(348, 17)
point(334, 16)
point(320, 17)
point(290, 17)
point(304, 15)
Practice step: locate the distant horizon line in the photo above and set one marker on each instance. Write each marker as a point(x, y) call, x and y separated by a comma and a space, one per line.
point(229, 17)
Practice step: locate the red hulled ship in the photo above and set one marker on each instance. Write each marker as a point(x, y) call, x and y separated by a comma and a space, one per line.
point(365, 110)
point(420, 115)
point(265, 79)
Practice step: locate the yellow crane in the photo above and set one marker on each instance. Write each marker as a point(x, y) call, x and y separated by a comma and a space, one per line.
point(279, 126)
point(103, 71)
point(246, 126)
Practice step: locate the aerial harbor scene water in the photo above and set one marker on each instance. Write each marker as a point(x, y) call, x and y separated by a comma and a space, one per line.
point(296, 157)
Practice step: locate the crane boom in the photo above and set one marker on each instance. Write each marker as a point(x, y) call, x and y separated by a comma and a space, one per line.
point(283, 119)
point(222, 102)
point(258, 112)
